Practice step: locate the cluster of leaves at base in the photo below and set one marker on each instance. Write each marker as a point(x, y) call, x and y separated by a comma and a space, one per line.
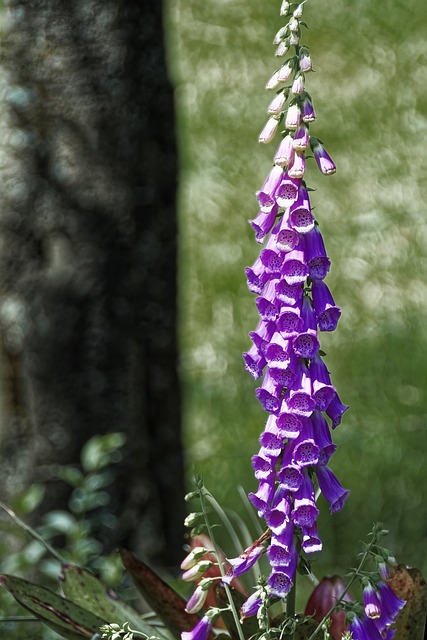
point(89, 481)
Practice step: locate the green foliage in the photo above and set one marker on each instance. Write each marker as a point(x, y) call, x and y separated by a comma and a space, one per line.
point(89, 498)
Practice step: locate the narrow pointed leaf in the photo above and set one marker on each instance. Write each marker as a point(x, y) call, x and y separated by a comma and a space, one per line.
point(86, 590)
point(168, 604)
point(64, 617)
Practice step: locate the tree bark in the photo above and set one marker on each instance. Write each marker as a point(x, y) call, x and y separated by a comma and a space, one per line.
point(88, 259)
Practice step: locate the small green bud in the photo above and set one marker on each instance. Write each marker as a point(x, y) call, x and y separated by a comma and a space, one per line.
point(192, 519)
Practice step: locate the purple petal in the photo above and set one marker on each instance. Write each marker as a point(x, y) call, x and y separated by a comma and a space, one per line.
point(254, 362)
point(288, 425)
point(327, 313)
point(323, 391)
point(287, 191)
point(311, 542)
point(305, 511)
point(263, 223)
point(266, 194)
point(331, 488)
point(317, 260)
point(200, 632)
point(294, 269)
point(335, 411)
point(300, 215)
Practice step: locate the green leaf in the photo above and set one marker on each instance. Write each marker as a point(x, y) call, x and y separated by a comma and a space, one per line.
point(61, 615)
point(160, 596)
point(28, 499)
point(102, 450)
point(86, 590)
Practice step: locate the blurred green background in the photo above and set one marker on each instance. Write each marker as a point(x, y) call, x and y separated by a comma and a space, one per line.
point(369, 92)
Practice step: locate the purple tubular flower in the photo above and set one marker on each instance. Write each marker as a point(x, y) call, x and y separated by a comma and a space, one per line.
point(272, 260)
point(317, 260)
point(282, 49)
point(273, 82)
point(263, 223)
point(284, 153)
point(308, 114)
point(281, 548)
point(305, 512)
point(311, 542)
point(323, 391)
point(335, 411)
point(288, 425)
point(262, 497)
point(331, 488)
point(306, 451)
point(306, 344)
point(280, 581)
point(323, 159)
point(268, 395)
point(305, 61)
point(286, 238)
point(290, 475)
point(298, 85)
point(277, 517)
point(293, 117)
point(287, 191)
point(266, 309)
point(390, 603)
point(277, 104)
point(244, 562)
point(299, 398)
point(285, 71)
point(301, 138)
point(364, 630)
point(322, 437)
point(200, 632)
point(290, 323)
point(269, 130)
point(278, 351)
point(266, 194)
point(271, 443)
point(300, 216)
point(296, 167)
point(254, 362)
point(290, 294)
point(263, 468)
point(371, 602)
point(327, 313)
point(257, 277)
point(262, 335)
point(251, 606)
point(294, 269)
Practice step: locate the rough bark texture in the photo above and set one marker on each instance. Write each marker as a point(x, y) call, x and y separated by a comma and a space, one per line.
point(88, 256)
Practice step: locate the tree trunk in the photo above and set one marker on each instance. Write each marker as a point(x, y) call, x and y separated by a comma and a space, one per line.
point(88, 259)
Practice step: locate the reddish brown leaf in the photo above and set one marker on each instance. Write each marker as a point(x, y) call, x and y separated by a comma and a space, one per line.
point(164, 600)
point(409, 585)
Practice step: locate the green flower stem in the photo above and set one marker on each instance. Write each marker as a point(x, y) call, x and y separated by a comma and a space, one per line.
point(290, 604)
point(348, 587)
point(31, 532)
point(201, 492)
point(19, 619)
